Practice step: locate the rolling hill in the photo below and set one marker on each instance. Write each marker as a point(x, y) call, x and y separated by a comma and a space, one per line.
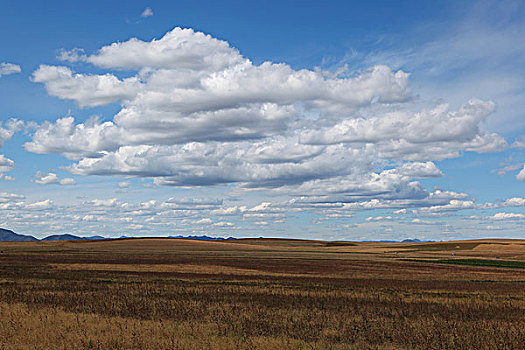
point(8, 235)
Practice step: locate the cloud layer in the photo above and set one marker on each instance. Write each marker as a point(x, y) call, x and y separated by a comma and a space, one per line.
point(195, 112)
point(201, 215)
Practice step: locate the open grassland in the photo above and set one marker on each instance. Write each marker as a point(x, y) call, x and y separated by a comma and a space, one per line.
point(262, 294)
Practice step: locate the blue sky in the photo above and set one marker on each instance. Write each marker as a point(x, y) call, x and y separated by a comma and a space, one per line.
point(335, 120)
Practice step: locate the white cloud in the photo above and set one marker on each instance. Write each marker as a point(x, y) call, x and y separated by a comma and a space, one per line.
point(6, 164)
point(225, 211)
point(73, 55)
point(41, 205)
point(9, 68)
point(73, 141)
point(520, 143)
point(521, 175)
point(427, 135)
point(360, 187)
point(204, 221)
point(223, 224)
point(67, 181)
point(135, 227)
point(52, 179)
point(124, 184)
point(441, 195)
point(337, 205)
point(148, 12)
point(86, 90)
point(8, 129)
point(423, 222)
point(514, 202)
point(502, 171)
point(112, 202)
point(453, 205)
point(261, 207)
point(180, 49)
point(195, 112)
point(379, 218)
point(10, 197)
point(420, 170)
point(190, 204)
point(506, 216)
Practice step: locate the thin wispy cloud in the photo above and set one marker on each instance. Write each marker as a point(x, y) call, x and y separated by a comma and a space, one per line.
point(9, 68)
point(475, 56)
point(148, 12)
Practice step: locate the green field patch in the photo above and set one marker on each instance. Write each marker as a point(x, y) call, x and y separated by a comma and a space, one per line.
point(475, 262)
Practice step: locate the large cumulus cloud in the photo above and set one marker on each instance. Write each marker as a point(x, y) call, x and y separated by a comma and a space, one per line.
point(195, 112)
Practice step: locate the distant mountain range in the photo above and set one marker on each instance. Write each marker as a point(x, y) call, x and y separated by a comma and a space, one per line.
point(68, 237)
point(414, 240)
point(10, 236)
point(202, 238)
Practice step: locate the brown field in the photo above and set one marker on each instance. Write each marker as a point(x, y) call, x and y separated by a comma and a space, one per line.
point(262, 294)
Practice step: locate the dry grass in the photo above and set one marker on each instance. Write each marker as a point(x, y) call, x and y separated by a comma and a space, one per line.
point(258, 294)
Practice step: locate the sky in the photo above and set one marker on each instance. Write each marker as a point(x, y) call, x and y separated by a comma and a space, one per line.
point(334, 120)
